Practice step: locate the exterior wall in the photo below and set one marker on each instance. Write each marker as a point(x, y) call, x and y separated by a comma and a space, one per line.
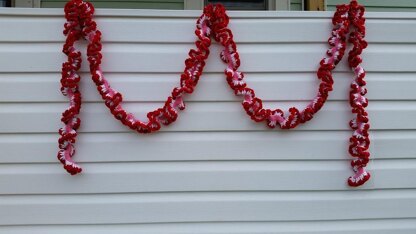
point(379, 5)
point(214, 170)
point(127, 4)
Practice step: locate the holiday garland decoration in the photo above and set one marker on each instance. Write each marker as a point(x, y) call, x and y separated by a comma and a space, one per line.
point(348, 21)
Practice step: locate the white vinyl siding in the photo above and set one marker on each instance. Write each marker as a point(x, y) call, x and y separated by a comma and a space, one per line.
point(124, 4)
point(214, 171)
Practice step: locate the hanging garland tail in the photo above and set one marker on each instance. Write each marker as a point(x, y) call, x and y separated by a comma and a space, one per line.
point(70, 82)
point(348, 22)
point(360, 141)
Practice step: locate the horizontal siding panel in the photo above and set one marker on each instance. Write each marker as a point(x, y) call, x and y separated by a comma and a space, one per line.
point(45, 87)
point(209, 207)
point(170, 57)
point(383, 9)
point(205, 146)
point(202, 116)
point(125, 5)
point(201, 176)
point(388, 9)
point(136, 4)
point(380, 3)
point(387, 5)
point(383, 226)
point(180, 30)
point(129, 14)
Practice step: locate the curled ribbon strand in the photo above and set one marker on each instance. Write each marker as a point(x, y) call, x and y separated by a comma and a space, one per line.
point(348, 22)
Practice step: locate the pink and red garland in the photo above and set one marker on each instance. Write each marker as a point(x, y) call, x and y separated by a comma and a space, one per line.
point(348, 21)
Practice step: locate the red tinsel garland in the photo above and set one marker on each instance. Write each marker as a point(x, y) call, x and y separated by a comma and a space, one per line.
point(213, 22)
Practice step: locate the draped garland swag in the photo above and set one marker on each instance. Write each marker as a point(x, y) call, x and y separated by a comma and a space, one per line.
point(348, 26)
